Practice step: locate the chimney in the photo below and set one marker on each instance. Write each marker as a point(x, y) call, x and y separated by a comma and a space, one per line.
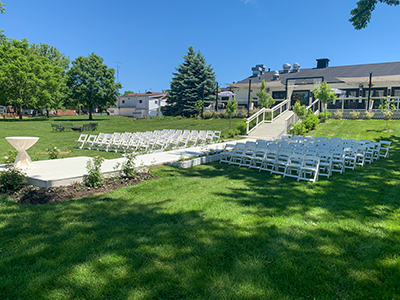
point(322, 63)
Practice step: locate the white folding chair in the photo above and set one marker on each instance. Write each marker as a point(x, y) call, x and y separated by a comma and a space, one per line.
point(226, 153)
point(248, 153)
point(294, 165)
point(384, 148)
point(325, 163)
point(90, 141)
point(80, 142)
point(237, 153)
point(309, 169)
point(350, 158)
point(268, 162)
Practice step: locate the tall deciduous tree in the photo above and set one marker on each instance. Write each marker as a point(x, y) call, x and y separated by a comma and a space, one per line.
point(92, 83)
point(265, 99)
point(2, 8)
point(26, 79)
point(192, 81)
point(59, 59)
point(361, 15)
point(127, 92)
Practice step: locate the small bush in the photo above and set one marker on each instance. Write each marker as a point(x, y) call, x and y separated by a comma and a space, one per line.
point(12, 179)
point(368, 115)
point(94, 178)
point(338, 115)
point(323, 116)
point(128, 168)
point(232, 133)
point(53, 153)
point(241, 127)
point(355, 114)
point(388, 115)
point(10, 157)
point(296, 129)
point(310, 122)
point(207, 114)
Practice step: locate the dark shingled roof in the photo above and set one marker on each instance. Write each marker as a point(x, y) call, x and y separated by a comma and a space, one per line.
point(331, 74)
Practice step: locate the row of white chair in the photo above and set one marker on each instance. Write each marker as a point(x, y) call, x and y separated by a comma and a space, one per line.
point(302, 160)
point(149, 141)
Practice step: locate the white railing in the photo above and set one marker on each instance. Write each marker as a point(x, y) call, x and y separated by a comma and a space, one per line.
point(268, 115)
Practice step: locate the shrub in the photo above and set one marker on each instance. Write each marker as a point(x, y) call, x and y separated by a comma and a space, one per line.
point(94, 177)
point(12, 179)
point(355, 114)
point(10, 157)
point(128, 168)
point(388, 114)
point(338, 115)
point(368, 115)
point(232, 133)
point(323, 116)
point(296, 129)
point(310, 122)
point(207, 114)
point(53, 153)
point(241, 127)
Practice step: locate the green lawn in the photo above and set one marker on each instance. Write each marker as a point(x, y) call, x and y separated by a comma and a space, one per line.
point(216, 232)
point(64, 141)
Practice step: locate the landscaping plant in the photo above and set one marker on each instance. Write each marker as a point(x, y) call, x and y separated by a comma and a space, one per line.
point(355, 114)
point(387, 108)
point(94, 178)
point(338, 114)
point(231, 107)
point(12, 179)
point(368, 115)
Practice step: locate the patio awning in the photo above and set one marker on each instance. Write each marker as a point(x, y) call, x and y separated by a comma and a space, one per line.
point(226, 93)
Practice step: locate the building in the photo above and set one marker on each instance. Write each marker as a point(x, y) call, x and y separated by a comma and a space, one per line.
point(139, 105)
point(352, 81)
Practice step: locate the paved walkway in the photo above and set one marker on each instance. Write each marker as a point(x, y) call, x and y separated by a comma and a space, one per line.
point(66, 171)
point(270, 130)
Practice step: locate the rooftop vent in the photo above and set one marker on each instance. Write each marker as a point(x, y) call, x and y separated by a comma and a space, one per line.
point(322, 63)
point(296, 67)
point(286, 68)
point(275, 75)
point(258, 70)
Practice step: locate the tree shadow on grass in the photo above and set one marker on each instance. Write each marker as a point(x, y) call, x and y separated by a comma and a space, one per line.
point(334, 239)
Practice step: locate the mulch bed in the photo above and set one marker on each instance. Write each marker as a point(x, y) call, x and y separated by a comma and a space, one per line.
point(35, 195)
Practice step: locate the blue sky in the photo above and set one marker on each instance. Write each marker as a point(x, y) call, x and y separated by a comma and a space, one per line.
point(148, 38)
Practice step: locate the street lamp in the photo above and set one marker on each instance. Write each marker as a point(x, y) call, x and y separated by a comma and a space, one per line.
point(248, 99)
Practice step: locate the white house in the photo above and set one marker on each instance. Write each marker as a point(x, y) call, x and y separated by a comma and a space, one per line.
point(139, 105)
point(297, 84)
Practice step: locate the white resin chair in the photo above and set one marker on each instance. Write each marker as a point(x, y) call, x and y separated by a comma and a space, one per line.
point(384, 148)
point(281, 163)
point(325, 163)
point(226, 153)
point(269, 160)
point(294, 165)
point(237, 153)
point(80, 142)
point(248, 153)
point(309, 169)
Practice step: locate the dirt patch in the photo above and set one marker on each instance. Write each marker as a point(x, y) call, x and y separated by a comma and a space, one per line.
point(35, 195)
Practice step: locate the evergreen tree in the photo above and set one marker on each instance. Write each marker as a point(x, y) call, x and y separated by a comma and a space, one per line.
point(192, 79)
point(266, 101)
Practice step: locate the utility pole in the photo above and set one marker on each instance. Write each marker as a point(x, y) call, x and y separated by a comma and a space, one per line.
point(248, 99)
point(117, 62)
point(216, 99)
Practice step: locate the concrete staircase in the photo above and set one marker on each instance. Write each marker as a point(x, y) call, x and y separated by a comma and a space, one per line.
point(270, 130)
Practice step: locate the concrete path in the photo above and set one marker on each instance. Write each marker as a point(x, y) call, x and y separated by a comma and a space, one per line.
point(270, 130)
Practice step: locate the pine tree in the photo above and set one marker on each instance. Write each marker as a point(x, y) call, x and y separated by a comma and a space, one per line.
point(192, 79)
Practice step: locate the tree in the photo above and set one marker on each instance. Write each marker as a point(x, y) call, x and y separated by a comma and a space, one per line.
point(26, 79)
point(301, 112)
point(361, 15)
point(231, 107)
point(59, 59)
point(199, 107)
point(265, 99)
point(324, 93)
point(2, 8)
point(91, 83)
point(193, 80)
point(127, 92)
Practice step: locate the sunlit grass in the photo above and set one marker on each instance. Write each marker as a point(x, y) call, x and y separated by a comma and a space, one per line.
point(215, 232)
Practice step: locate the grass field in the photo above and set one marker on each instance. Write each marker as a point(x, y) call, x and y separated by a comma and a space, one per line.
point(64, 141)
point(216, 232)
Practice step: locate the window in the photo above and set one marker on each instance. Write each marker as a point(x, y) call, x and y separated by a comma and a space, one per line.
point(279, 95)
point(140, 101)
point(123, 101)
point(155, 102)
point(225, 98)
point(375, 94)
point(302, 96)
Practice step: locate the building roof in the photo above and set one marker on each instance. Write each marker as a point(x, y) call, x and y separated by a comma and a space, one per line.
point(149, 93)
point(338, 74)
